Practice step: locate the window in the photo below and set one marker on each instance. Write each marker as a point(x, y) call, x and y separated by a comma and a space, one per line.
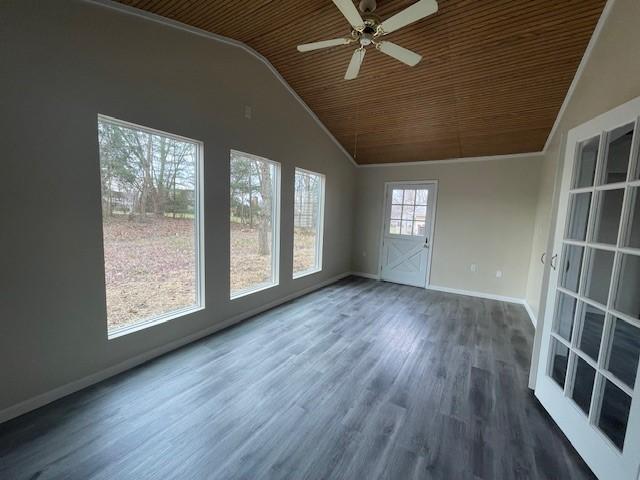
point(308, 227)
point(408, 212)
point(254, 223)
point(151, 224)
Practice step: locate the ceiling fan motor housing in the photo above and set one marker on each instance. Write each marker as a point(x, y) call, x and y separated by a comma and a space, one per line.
point(367, 6)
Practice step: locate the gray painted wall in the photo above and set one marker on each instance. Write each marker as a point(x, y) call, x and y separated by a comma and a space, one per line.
point(63, 62)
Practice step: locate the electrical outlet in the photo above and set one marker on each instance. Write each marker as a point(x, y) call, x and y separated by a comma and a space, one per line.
point(499, 274)
point(364, 254)
point(248, 112)
point(474, 267)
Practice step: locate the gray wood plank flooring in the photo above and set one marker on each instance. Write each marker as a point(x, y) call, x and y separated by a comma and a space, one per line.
point(359, 380)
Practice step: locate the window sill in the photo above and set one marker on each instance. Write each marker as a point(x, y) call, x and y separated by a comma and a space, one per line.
point(249, 291)
point(136, 327)
point(304, 273)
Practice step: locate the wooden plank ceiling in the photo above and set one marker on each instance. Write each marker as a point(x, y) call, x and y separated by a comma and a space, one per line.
point(493, 76)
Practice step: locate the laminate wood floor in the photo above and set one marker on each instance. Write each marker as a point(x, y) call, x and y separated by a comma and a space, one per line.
point(359, 380)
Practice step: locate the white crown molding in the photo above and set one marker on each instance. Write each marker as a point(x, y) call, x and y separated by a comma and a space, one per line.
point(229, 41)
point(581, 67)
point(454, 160)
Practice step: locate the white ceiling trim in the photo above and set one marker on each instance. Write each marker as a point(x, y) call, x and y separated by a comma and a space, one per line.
point(454, 160)
point(583, 63)
point(229, 41)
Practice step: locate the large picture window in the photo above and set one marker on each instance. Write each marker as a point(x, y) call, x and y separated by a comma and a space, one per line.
point(151, 224)
point(308, 222)
point(254, 223)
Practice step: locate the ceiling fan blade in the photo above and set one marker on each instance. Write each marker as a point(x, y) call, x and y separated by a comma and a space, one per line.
point(354, 65)
point(307, 47)
point(351, 13)
point(417, 11)
point(399, 53)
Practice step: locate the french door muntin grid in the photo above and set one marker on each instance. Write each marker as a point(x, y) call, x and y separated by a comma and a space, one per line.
point(600, 364)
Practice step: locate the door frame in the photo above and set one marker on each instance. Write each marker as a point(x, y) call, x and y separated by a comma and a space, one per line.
point(387, 185)
point(579, 431)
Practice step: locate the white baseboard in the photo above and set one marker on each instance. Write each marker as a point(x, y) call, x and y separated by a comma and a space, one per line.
point(532, 316)
point(72, 387)
point(366, 275)
point(471, 293)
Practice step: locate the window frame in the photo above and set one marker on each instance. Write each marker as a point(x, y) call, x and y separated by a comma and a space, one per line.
point(275, 233)
point(198, 219)
point(319, 224)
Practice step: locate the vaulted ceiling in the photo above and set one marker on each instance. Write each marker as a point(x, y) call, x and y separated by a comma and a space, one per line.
point(493, 76)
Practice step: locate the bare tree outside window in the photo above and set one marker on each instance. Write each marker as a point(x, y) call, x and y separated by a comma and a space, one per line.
point(308, 224)
point(253, 222)
point(149, 203)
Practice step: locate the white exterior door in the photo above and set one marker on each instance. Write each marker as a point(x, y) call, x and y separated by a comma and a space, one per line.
point(588, 369)
point(407, 232)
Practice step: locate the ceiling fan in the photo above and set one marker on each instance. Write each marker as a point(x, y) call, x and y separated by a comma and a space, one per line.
point(367, 29)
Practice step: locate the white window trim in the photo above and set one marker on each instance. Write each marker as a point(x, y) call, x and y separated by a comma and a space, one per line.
point(319, 225)
point(198, 233)
point(275, 234)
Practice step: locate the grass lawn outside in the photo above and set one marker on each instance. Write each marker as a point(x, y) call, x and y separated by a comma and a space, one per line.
point(150, 264)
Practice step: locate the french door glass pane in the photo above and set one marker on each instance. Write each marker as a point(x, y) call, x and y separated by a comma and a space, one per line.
point(599, 275)
point(407, 227)
point(571, 266)
point(608, 212)
point(579, 215)
point(614, 413)
point(592, 327)
point(565, 314)
point(421, 213)
point(394, 227)
point(559, 361)
point(396, 212)
point(618, 153)
point(633, 236)
point(625, 351)
point(396, 196)
point(628, 292)
point(583, 384)
point(586, 167)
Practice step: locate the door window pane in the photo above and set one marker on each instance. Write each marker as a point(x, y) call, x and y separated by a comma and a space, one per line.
point(628, 292)
point(571, 267)
point(150, 223)
point(609, 210)
point(618, 153)
point(614, 413)
point(632, 238)
point(592, 327)
point(583, 384)
point(254, 222)
point(586, 167)
point(564, 315)
point(579, 216)
point(559, 361)
point(407, 212)
point(625, 351)
point(308, 222)
point(409, 207)
point(599, 275)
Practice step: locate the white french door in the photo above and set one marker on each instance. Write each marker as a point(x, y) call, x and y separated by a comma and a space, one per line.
point(588, 369)
point(405, 252)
